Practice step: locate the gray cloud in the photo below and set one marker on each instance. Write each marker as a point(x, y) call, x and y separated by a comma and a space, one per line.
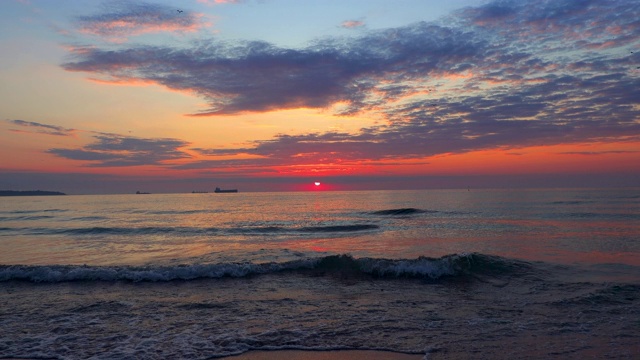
point(111, 150)
point(39, 128)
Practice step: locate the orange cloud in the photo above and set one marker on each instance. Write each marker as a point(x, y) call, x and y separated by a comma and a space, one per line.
point(123, 82)
point(351, 24)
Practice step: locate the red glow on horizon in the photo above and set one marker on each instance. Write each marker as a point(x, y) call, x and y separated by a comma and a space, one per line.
point(312, 187)
point(317, 186)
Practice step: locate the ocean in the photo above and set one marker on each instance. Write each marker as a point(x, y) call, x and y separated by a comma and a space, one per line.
point(446, 274)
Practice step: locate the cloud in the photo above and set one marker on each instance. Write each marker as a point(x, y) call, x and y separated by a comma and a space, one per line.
point(110, 150)
point(351, 24)
point(593, 153)
point(34, 127)
point(416, 140)
point(582, 23)
point(123, 19)
point(506, 74)
point(257, 76)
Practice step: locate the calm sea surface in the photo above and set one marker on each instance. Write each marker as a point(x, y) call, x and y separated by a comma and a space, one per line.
point(448, 274)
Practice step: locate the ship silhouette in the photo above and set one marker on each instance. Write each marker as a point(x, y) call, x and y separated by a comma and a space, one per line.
point(218, 190)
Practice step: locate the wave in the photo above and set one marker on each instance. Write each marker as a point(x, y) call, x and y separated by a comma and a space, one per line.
point(572, 202)
point(341, 265)
point(33, 217)
point(148, 230)
point(181, 212)
point(174, 212)
point(400, 211)
point(338, 228)
point(187, 230)
point(32, 211)
point(613, 216)
point(88, 218)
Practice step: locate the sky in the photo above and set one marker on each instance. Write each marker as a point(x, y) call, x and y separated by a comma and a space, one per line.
point(274, 95)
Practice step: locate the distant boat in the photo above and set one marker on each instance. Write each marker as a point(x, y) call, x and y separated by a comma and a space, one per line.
point(218, 190)
point(142, 193)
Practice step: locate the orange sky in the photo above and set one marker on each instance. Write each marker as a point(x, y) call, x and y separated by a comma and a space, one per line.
point(137, 95)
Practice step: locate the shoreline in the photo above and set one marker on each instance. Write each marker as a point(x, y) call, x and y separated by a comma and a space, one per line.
point(324, 355)
point(304, 355)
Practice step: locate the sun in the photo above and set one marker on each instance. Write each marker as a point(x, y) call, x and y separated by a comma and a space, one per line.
point(317, 183)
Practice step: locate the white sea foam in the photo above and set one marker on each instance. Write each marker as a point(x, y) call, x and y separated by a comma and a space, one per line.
point(422, 267)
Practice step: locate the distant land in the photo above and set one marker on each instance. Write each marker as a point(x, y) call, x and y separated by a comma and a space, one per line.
point(29, 193)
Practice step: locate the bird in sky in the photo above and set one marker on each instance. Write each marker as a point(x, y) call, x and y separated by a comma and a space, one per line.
point(180, 11)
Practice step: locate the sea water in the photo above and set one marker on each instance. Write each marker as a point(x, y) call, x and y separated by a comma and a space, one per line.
point(484, 274)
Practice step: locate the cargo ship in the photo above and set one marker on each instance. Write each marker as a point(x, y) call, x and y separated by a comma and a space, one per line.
point(218, 190)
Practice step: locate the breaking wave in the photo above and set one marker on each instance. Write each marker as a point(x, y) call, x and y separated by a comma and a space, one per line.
point(343, 265)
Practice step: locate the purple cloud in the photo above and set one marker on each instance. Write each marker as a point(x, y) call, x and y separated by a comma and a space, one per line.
point(120, 20)
point(257, 76)
point(502, 75)
point(35, 127)
point(110, 150)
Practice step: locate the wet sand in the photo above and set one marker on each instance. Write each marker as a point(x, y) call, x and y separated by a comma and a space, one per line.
point(324, 355)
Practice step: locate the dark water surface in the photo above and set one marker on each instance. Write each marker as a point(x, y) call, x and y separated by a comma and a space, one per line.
point(445, 274)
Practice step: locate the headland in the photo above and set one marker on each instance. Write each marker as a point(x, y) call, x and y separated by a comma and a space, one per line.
point(29, 193)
